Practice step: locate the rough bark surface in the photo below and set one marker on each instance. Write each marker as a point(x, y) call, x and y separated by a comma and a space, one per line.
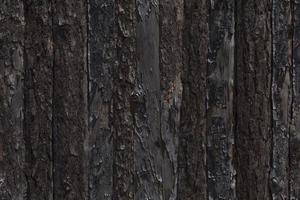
point(147, 139)
point(149, 99)
point(124, 98)
point(220, 79)
point(69, 99)
point(38, 61)
point(281, 98)
point(102, 55)
point(170, 64)
point(295, 128)
point(192, 137)
point(253, 107)
point(12, 147)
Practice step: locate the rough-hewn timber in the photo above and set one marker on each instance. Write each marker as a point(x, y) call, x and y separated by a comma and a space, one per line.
point(12, 148)
point(38, 61)
point(69, 99)
point(170, 63)
point(124, 78)
point(147, 140)
point(220, 75)
point(252, 98)
point(192, 180)
point(281, 98)
point(102, 55)
point(295, 128)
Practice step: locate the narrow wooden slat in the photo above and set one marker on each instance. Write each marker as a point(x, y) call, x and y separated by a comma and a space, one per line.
point(38, 98)
point(12, 147)
point(123, 97)
point(295, 128)
point(69, 99)
point(253, 103)
point(220, 88)
point(281, 98)
point(170, 52)
point(192, 182)
point(147, 152)
point(102, 55)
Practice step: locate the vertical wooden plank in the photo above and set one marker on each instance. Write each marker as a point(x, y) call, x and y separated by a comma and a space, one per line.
point(147, 140)
point(220, 75)
point(102, 55)
point(170, 21)
point(12, 148)
point(253, 103)
point(192, 183)
point(69, 99)
point(124, 80)
point(295, 128)
point(38, 98)
point(281, 99)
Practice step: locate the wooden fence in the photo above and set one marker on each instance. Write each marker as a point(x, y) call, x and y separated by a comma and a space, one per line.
point(149, 99)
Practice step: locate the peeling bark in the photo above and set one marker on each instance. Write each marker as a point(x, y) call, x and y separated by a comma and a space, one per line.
point(281, 98)
point(69, 99)
point(12, 148)
point(147, 140)
point(192, 183)
point(253, 104)
point(102, 55)
point(220, 75)
point(124, 97)
point(170, 62)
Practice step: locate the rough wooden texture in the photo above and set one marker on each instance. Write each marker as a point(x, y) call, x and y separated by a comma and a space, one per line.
point(252, 98)
point(102, 55)
point(69, 99)
point(12, 148)
point(295, 128)
point(38, 60)
point(170, 62)
point(220, 78)
point(192, 137)
point(124, 97)
point(149, 99)
point(281, 99)
point(147, 140)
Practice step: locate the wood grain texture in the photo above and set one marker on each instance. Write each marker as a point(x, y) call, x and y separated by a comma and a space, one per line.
point(12, 146)
point(192, 178)
point(252, 98)
point(102, 58)
point(69, 99)
point(147, 140)
point(38, 61)
point(149, 99)
point(281, 98)
point(295, 133)
point(220, 88)
point(123, 99)
point(170, 63)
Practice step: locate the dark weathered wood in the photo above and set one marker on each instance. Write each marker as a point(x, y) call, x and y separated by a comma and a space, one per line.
point(295, 128)
point(12, 148)
point(102, 55)
point(220, 75)
point(147, 140)
point(252, 98)
point(69, 99)
point(192, 181)
point(124, 78)
point(170, 62)
point(38, 61)
point(281, 99)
